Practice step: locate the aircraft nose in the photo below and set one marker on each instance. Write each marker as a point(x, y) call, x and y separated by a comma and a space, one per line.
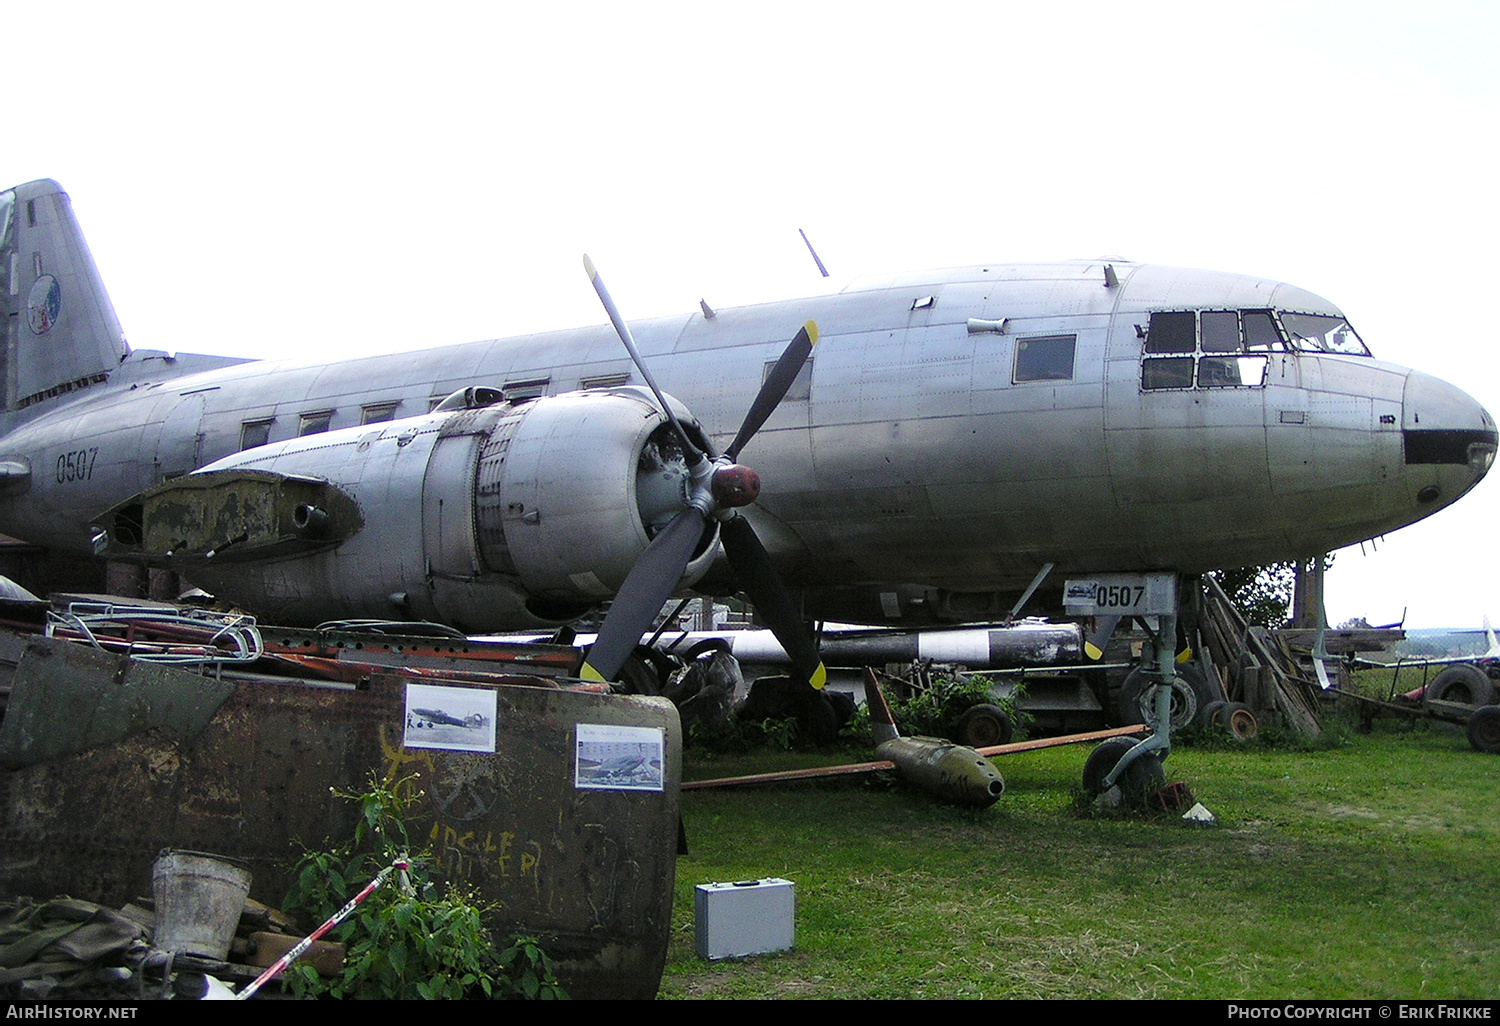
point(1448, 439)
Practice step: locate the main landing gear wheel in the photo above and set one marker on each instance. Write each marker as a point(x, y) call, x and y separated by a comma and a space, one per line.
point(985, 725)
point(1484, 729)
point(1141, 779)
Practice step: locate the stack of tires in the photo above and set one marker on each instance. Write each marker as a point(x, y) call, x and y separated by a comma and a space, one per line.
point(1195, 702)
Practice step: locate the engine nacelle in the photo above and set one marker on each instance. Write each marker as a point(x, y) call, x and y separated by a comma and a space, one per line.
point(491, 517)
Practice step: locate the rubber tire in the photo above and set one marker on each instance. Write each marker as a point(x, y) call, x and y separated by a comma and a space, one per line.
point(983, 726)
point(1462, 683)
point(1484, 729)
point(1190, 692)
point(1212, 713)
point(1141, 779)
point(645, 671)
point(706, 645)
point(1239, 721)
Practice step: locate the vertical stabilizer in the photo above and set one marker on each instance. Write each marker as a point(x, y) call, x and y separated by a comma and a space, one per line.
point(882, 723)
point(60, 330)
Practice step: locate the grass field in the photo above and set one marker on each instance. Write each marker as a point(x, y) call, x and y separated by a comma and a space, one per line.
point(1367, 869)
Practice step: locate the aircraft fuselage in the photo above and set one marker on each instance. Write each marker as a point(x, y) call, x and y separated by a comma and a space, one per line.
point(955, 430)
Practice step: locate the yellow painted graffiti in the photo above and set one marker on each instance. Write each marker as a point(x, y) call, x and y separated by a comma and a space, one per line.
point(399, 762)
point(461, 851)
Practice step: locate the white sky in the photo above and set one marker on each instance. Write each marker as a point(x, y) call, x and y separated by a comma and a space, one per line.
point(289, 178)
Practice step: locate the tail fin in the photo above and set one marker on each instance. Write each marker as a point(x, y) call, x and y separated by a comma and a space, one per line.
point(60, 330)
point(882, 723)
point(1493, 651)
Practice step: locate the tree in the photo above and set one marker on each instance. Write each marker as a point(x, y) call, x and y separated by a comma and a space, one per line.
point(1265, 594)
point(1262, 594)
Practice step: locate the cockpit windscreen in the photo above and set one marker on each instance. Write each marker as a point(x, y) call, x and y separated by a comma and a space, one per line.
point(1322, 333)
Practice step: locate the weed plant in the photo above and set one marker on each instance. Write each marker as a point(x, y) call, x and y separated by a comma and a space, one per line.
point(411, 938)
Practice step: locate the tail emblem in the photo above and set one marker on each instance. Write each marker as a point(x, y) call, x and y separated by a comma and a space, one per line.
point(43, 303)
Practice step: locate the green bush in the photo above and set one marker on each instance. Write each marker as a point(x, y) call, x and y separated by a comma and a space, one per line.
point(411, 938)
point(933, 710)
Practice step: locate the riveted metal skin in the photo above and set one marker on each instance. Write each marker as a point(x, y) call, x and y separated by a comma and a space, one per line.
point(533, 511)
point(909, 455)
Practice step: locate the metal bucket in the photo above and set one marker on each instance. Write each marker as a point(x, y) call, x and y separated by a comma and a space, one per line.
point(199, 898)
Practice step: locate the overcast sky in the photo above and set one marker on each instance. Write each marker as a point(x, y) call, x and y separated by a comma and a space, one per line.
point(339, 178)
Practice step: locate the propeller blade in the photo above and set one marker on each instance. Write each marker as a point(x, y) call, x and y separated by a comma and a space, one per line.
point(645, 591)
point(1093, 645)
point(695, 456)
point(774, 389)
point(752, 566)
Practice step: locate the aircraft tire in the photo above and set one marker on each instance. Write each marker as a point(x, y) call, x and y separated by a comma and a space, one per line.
point(706, 645)
point(1190, 692)
point(1141, 779)
point(1484, 729)
point(645, 671)
point(985, 725)
point(1462, 683)
point(1239, 721)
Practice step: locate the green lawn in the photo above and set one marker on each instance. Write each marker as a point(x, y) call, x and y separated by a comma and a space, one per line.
point(1366, 870)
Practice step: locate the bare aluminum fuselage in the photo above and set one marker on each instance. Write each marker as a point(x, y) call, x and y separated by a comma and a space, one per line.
point(912, 453)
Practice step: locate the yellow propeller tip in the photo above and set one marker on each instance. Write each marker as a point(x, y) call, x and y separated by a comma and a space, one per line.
point(811, 328)
point(588, 265)
point(819, 678)
point(587, 672)
point(1092, 650)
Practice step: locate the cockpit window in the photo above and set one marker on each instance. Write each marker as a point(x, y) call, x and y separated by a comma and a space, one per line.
point(1215, 344)
point(1322, 333)
point(1260, 329)
point(1221, 331)
point(1172, 331)
point(7, 205)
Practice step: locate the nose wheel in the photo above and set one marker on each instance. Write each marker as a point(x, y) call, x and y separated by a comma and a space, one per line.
point(1138, 780)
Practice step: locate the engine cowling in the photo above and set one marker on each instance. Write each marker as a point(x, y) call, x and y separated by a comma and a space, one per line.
point(486, 517)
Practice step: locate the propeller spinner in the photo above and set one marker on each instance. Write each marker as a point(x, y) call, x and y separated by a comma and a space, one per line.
point(717, 486)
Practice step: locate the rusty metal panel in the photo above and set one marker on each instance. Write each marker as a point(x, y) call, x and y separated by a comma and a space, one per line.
point(590, 871)
point(66, 698)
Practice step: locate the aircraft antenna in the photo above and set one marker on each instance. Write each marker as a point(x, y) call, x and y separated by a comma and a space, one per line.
point(808, 243)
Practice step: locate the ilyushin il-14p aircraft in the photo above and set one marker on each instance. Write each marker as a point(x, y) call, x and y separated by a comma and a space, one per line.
point(928, 441)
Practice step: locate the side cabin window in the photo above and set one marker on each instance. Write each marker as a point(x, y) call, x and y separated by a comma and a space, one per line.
point(800, 390)
point(314, 423)
point(254, 433)
point(1047, 358)
point(1208, 349)
point(605, 380)
point(378, 413)
point(530, 388)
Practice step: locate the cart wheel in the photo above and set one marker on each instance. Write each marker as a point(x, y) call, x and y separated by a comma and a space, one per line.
point(1484, 729)
point(1465, 684)
point(1190, 691)
point(1240, 721)
point(1141, 779)
point(1211, 713)
point(985, 725)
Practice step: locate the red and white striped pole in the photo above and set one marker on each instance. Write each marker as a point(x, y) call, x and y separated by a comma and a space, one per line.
point(306, 942)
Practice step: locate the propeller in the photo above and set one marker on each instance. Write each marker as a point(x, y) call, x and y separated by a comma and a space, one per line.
point(716, 486)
